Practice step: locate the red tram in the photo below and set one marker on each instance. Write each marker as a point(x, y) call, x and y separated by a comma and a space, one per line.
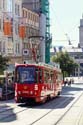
point(37, 82)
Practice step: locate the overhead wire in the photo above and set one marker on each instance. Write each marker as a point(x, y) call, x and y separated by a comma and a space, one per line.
point(57, 19)
point(53, 10)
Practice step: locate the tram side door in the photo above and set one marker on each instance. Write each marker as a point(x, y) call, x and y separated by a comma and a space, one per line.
point(40, 75)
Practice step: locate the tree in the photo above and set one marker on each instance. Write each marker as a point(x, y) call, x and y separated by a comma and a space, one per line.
point(67, 63)
point(71, 66)
point(3, 63)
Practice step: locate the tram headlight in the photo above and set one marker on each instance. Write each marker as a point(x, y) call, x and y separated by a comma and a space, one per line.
point(42, 93)
point(36, 87)
point(31, 92)
point(19, 92)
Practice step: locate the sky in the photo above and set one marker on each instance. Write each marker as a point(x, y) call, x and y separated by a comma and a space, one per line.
point(65, 18)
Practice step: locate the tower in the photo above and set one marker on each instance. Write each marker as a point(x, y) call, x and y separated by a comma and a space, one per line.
point(81, 33)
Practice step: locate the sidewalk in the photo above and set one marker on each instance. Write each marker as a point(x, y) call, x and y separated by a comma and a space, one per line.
point(4, 102)
point(75, 115)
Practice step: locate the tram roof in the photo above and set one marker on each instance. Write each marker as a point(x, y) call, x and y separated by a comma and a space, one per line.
point(43, 65)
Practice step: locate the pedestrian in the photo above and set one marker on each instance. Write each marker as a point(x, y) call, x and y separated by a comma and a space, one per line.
point(65, 82)
point(72, 81)
point(69, 83)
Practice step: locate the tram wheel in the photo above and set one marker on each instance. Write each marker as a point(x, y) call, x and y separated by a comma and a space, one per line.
point(44, 100)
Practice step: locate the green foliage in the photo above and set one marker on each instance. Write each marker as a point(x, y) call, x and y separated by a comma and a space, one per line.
point(67, 63)
point(3, 63)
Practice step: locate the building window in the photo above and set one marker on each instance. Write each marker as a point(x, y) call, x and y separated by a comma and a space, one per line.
point(0, 24)
point(24, 13)
point(4, 46)
point(3, 4)
point(17, 48)
point(25, 45)
point(16, 28)
point(10, 39)
point(17, 9)
point(0, 46)
point(0, 4)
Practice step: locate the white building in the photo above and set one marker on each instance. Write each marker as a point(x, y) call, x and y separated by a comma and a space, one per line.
point(13, 45)
point(76, 53)
point(10, 45)
point(3, 39)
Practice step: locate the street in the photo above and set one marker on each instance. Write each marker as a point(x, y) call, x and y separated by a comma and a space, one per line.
point(63, 110)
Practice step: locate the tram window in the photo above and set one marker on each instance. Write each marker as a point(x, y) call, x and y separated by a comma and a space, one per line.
point(56, 76)
point(45, 77)
point(17, 77)
point(36, 76)
point(52, 80)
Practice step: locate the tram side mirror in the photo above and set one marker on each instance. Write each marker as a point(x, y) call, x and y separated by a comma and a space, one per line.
point(24, 62)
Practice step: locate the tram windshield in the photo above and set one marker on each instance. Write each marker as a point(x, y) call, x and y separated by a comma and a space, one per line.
point(25, 75)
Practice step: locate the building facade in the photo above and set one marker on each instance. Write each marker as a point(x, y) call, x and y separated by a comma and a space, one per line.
point(10, 45)
point(77, 54)
point(30, 42)
point(42, 8)
point(13, 18)
point(3, 39)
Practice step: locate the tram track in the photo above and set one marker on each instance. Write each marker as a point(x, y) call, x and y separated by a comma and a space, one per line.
point(25, 109)
point(68, 110)
point(63, 102)
point(63, 113)
point(48, 112)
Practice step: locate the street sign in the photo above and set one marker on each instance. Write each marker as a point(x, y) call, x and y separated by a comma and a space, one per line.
point(25, 52)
